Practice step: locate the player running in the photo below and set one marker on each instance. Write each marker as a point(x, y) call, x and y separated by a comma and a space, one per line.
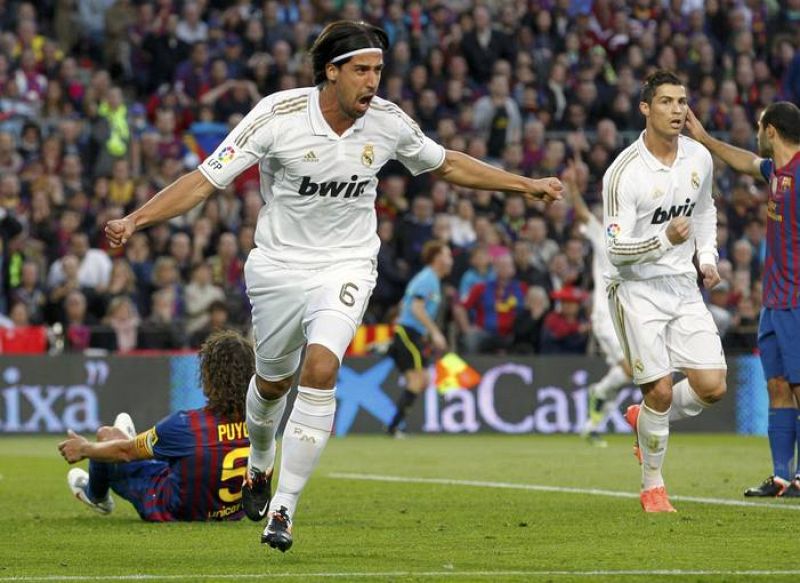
point(190, 466)
point(658, 211)
point(319, 150)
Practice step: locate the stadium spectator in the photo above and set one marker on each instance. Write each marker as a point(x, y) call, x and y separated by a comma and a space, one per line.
point(528, 324)
point(201, 293)
point(565, 330)
point(495, 305)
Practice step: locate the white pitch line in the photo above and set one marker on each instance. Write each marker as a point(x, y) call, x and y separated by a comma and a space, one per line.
point(420, 574)
point(556, 489)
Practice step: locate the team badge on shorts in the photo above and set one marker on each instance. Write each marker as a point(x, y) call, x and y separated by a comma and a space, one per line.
point(368, 155)
point(613, 230)
point(638, 366)
point(695, 180)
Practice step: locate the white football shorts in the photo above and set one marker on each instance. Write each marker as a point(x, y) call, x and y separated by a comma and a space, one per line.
point(664, 326)
point(285, 302)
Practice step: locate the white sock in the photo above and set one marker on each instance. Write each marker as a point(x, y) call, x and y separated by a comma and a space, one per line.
point(607, 387)
point(304, 438)
point(653, 431)
point(685, 402)
point(263, 417)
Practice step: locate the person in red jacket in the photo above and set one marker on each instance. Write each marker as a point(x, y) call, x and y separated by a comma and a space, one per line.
point(565, 329)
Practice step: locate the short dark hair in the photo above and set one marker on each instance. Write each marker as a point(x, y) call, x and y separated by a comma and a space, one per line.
point(784, 116)
point(227, 364)
point(341, 37)
point(431, 250)
point(654, 81)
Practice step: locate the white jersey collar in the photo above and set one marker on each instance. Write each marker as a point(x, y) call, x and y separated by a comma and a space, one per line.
point(320, 127)
point(653, 163)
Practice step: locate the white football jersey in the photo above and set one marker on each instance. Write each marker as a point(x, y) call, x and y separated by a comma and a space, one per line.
point(641, 196)
point(319, 188)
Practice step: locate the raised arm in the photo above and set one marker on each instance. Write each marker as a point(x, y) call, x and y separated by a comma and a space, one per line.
point(738, 159)
point(464, 170)
point(179, 197)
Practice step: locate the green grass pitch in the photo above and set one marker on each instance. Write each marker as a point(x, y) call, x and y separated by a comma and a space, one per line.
point(354, 529)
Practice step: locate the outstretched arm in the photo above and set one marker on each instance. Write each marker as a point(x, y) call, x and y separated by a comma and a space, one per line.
point(738, 159)
point(176, 199)
point(464, 170)
point(76, 448)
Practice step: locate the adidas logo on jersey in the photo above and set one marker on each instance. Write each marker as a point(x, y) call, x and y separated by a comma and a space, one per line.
point(310, 157)
point(662, 216)
point(333, 188)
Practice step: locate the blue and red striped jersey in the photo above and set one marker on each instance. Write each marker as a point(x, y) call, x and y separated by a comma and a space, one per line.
point(207, 455)
point(782, 263)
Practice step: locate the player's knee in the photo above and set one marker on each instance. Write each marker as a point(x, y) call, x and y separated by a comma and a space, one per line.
point(718, 389)
point(780, 393)
point(417, 380)
point(104, 433)
point(320, 368)
point(659, 396)
point(272, 390)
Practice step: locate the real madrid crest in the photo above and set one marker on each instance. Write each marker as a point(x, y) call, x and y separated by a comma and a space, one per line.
point(695, 180)
point(368, 155)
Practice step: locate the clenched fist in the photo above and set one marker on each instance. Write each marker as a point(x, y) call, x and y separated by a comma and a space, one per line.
point(119, 231)
point(678, 230)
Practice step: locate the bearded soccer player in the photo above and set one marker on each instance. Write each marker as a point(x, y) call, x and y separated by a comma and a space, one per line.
point(191, 465)
point(658, 211)
point(319, 150)
point(778, 163)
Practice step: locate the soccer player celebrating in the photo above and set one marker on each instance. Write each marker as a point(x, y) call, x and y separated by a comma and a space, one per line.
point(417, 320)
point(778, 163)
point(190, 466)
point(319, 150)
point(657, 211)
point(603, 393)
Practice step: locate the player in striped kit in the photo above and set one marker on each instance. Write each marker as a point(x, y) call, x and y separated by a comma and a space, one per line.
point(658, 212)
point(778, 163)
point(191, 465)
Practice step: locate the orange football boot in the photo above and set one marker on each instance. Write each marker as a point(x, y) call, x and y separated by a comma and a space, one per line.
point(656, 500)
point(632, 417)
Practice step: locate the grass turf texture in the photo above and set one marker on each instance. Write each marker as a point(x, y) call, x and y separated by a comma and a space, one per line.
point(436, 531)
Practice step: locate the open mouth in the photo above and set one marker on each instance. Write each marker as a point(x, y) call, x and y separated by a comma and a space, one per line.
point(366, 100)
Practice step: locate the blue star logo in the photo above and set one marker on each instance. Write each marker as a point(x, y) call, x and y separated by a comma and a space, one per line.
point(356, 390)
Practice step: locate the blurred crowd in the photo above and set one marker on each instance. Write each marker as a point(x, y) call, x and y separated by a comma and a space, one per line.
point(104, 102)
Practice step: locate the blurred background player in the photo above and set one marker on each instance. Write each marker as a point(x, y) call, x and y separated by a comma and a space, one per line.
point(778, 163)
point(658, 211)
point(191, 465)
point(602, 394)
point(417, 325)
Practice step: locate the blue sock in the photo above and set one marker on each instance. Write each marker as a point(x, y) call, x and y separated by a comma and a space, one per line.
point(99, 480)
point(782, 436)
point(797, 431)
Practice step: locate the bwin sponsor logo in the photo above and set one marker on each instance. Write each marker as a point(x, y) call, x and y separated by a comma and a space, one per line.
point(333, 188)
point(662, 216)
